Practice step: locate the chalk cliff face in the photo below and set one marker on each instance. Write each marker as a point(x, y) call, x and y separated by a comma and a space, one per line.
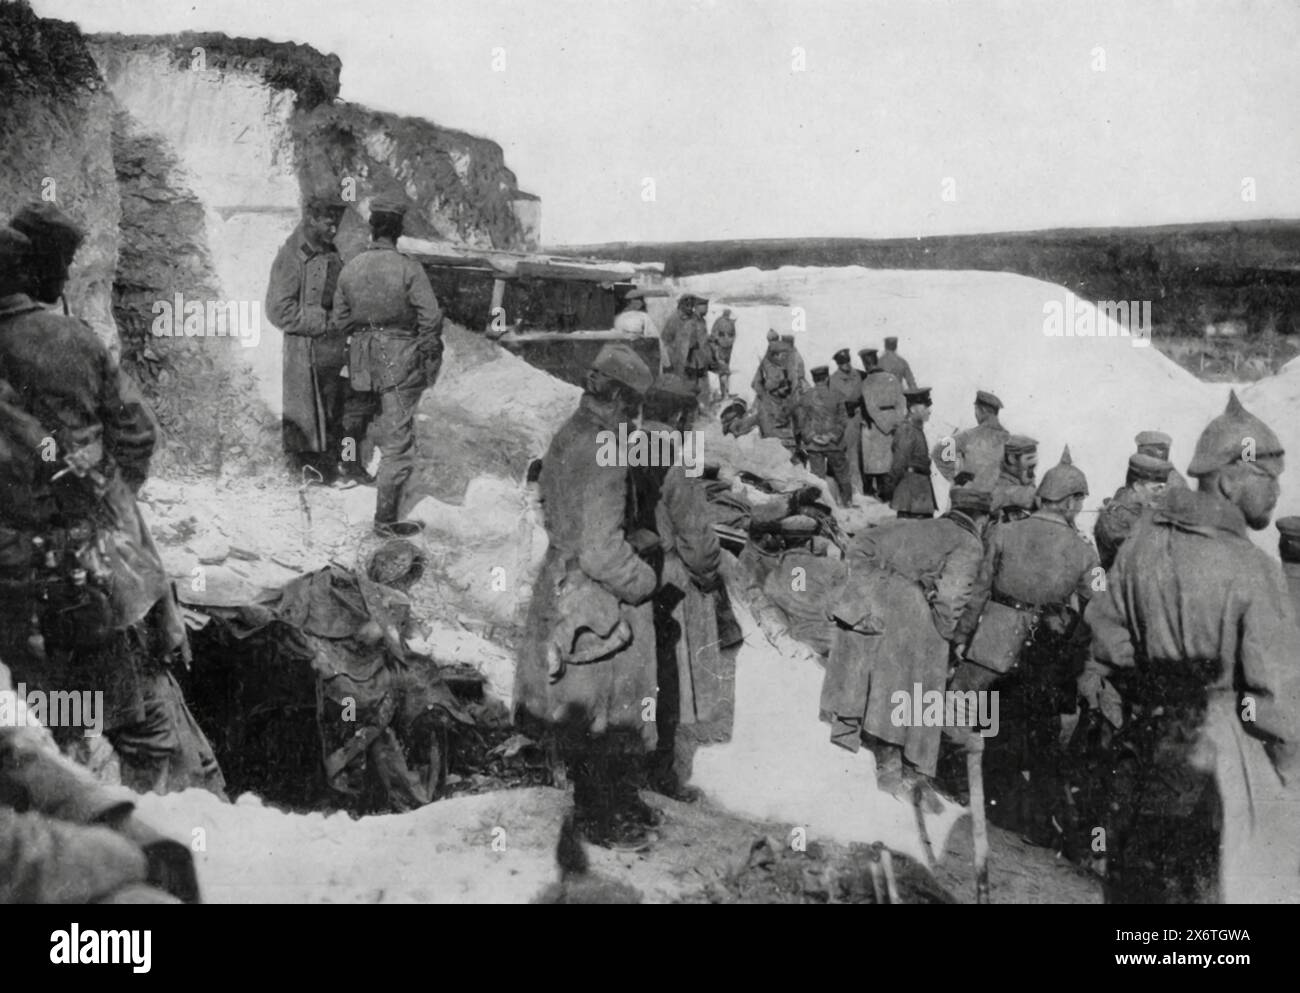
point(55, 120)
point(187, 158)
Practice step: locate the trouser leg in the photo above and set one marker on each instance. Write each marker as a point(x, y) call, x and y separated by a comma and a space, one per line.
point(333, 393)
point(397, 442)
point(838, 462)
point(358, 412)
point(166, 750)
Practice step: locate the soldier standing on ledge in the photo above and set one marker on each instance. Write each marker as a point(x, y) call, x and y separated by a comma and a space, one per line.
point(821, 425)
point(911, 489)
point(386, 305)
point(320, 408)
point(896, 365)
point(846, 384)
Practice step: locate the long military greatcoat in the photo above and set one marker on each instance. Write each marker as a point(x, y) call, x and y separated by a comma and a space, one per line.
point(892, 568)
point(1193, 609)
point(885, 407)
point(587, 508)
point(299, 301)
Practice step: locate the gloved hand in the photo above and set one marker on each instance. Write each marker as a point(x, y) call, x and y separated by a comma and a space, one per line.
point(170, 863)
point(315, 322)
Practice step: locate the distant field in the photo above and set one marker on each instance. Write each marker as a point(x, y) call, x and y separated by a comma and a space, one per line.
point(1242, 279)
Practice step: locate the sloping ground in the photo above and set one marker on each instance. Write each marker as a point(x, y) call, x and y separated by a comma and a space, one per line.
point(1277, 401)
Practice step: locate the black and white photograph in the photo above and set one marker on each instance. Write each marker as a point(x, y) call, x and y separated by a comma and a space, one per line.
point(650, 452)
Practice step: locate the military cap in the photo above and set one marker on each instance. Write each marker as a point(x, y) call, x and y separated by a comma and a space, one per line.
point(1230, 436)
point(891, 343)
point(1150, 438)
point(668, 396)
point(772, 335)
point(919, 395)
point(736, 407)
point(389, 203)
point(988, 399)
point(841, 356)
point(726, 311)
point(702, 300)
point(864, 352)
point(49, 230)
point(1019, 444)
point(1148, 467)
point(970, 499)
point(788, 339)
point(622, 364)
point(15, 249)
point(1063, 480)
point(820, 372)
point(328, 199)
point(1289, 538)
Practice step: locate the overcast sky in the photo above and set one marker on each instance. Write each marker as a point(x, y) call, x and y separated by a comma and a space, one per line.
point(779, 118)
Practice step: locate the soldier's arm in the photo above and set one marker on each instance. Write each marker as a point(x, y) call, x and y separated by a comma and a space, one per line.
point(901, 451)
point(428, 315)
point(1092, 579)
point(129, 434)
point(1270, 676)
point(283, 308)
point(981, 590)
point(955, 588)
point(697, 542)
point(342, 311)
point(1107, 620)
point(605, 554)
point(48, 861)
point(907, 374)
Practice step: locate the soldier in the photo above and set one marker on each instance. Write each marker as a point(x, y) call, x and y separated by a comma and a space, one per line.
point(798, 371)
point(821, 427)
point(685, 344)
point(1156, 444)
point(1013, 491)
point(846, 385)
point(1288, 547)
point(587, 671)
point(633, 318)
point(65, 838)
point(1197, 633)
point(896, 365)
point(674, 506)
point(1036, 579)
point(1143, 490)
point(918, 576)
point(911, 491)
point(774, 390)
point(320, 408)
point(722, 338)
point(386, 305)
point(85, 602)
point(885, 408)
point(977, 451)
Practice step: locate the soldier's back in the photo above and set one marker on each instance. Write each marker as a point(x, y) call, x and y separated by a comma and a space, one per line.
point(1040, 560)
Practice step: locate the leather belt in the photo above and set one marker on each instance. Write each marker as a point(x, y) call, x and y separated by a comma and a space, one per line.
point(1015, 604)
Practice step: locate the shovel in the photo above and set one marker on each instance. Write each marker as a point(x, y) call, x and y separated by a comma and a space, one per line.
point(303, 505)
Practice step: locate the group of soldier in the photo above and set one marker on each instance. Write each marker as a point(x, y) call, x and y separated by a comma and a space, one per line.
point(622, 643)
point(862, 430)
point(360, 339)
point(1154, 675)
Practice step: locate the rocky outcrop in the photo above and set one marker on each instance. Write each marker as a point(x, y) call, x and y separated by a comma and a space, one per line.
point(55, 119)
point(186, 158)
